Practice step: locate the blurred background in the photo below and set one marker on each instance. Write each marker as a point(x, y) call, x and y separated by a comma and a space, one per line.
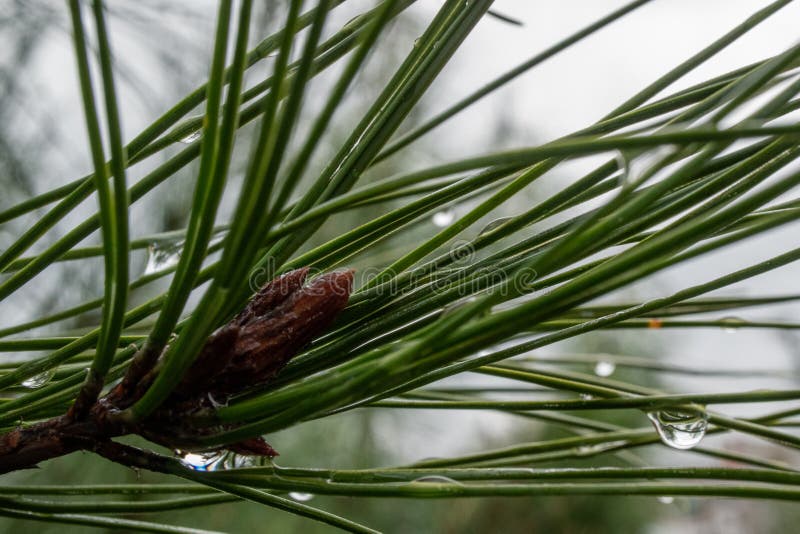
point(43, 145)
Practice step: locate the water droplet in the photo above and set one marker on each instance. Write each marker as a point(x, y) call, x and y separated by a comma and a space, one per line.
point(191, 138)
point(679, 430)
point(162, 255)
point(218, 460)
point(417, 42)
point(586, 396)
point(731, 324)
point(443, 218)
point(605, 368)
point(299, 496)
point(666, 499)
point(231, 460)
point(494, 224)
point(200, 461)
point(37, 381)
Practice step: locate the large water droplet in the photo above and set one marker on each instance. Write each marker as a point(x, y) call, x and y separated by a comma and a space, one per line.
point(443, 218)
point(299, 496)
point(37, 381)
point(494, 224)
point(679, 430)
point(731, 324)
point(605, 368)
point(666, 499)
point(231, 460)
point(200, 461)
point(163, 255)
point(191, 138)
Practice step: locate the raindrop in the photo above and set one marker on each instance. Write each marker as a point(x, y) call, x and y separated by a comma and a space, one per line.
point(299, 496)
point(162, 255)
point(731, 324)
point(604, 368)
point(586, 396)
point(444, 217)
point(37, 381)
point(231, 460)
point(200, 461)
point(679, 430)
point(666, 499)
point(494, 224)
point(191, 138)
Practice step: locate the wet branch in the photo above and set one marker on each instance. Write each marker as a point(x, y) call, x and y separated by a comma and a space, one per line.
point(242, 355)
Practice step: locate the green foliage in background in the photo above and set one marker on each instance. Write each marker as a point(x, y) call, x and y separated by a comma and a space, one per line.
point(685, 174)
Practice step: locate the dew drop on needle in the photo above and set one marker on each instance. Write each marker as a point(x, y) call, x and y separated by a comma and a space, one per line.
point(604, 368)
point(37, 381)
point(443, 218)
point(679, 430)
point(191, 138)
point(162, 255)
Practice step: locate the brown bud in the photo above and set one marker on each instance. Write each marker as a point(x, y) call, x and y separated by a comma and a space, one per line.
point(278, 322)
point(266, 342)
